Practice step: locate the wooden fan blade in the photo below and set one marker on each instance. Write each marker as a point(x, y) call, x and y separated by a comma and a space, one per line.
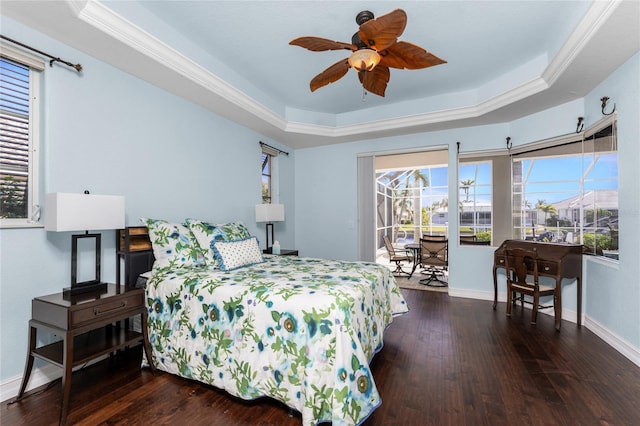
point(406, 55)
point(382, 32)
point(375, 81)
point(318, 44)
point(333, 73)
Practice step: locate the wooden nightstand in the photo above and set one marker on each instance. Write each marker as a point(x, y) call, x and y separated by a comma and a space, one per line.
point(89, 327)
point(283, 252)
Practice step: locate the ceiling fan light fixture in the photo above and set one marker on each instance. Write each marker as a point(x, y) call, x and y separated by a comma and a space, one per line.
point(374, 48)
point(364, 60)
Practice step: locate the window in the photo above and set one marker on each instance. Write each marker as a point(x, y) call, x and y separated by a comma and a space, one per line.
point(266, 160)
point(19, 130)
point(475, 198)
point(568, 192)
point(269, 169)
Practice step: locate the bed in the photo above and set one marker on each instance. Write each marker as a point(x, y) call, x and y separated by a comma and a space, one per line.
point(299, 330)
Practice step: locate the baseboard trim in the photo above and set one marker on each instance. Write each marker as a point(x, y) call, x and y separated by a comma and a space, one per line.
point(41, 375)
point(613, 340)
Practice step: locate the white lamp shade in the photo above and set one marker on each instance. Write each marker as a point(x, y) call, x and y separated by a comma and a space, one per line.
point(83, 212)
point(364, 60)
point(269, 212)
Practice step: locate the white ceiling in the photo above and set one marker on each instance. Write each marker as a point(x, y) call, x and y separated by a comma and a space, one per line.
point(505, 59)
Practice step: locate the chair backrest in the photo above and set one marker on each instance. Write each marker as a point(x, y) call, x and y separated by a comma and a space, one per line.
point(434, 237)
point(521, 263)
point(434, 252)
point(475, 243)
point(387, 243)
point(468, 239)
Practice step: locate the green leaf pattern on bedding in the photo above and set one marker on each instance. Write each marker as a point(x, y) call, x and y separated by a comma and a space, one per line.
point(299, 330)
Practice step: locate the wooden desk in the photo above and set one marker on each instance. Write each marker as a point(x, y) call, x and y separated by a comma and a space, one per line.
point(557, 261)
point(89, 329)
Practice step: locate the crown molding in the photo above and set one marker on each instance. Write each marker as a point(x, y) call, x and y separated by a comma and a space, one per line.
point(506, 98)
point(595, 18)
point(115, 26)
point(102, 18)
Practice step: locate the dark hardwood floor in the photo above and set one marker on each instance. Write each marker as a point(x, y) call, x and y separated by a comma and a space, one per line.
point(450, 361)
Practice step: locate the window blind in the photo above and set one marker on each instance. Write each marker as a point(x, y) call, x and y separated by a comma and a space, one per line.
point(14, 137)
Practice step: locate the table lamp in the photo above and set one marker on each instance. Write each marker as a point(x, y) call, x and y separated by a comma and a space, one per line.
point(83, 212)
point(269, 213)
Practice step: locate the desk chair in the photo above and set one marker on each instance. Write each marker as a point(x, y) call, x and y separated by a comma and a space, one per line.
point(522, 277)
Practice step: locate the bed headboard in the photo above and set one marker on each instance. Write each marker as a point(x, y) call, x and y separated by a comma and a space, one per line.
point(134, 255)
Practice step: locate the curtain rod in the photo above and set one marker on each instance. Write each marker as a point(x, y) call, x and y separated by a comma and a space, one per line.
point(77, 67)
point(274, 148)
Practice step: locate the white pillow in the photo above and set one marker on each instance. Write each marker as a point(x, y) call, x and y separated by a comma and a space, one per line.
point(173, 245)
point(235, 254)
point(206, 233)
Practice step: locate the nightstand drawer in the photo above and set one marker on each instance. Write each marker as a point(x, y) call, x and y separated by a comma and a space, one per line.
point(110, 306)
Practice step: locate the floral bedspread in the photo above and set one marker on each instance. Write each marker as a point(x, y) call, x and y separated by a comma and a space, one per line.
point(299, 330)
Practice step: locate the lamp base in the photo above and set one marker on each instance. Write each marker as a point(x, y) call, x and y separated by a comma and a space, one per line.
point(88, 290)
point(267, 227)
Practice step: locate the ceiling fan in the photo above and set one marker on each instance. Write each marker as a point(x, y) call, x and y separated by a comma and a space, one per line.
point(375, 49)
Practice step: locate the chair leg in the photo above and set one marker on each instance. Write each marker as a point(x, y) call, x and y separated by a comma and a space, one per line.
point(510, 300)
point(557, 310)
point(399, 271)
point(433, 277)
point(534, 310)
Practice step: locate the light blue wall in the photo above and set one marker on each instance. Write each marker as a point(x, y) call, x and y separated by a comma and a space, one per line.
point(326, 199)
point(112, 133)
point(613, 293)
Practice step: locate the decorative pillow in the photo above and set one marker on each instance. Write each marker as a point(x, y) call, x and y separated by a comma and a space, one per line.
point(173, 245)
point(207, 233)
point(235, 254)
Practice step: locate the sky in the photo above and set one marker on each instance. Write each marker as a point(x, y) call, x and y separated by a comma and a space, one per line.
point(549, 179)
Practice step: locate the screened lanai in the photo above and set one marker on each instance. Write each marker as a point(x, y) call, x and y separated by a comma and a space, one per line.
point(412, 196)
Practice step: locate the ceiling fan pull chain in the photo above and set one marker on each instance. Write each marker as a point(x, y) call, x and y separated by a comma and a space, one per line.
point(364, 95)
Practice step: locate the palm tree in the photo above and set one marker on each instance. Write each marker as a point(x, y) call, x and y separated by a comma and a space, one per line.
point(418, 181)
point(402, 204)
point(404, 185)
point(413, 179)
point(548, 208)
point(465, 187)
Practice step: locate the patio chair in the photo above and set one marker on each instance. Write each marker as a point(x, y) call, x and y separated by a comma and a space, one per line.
point(434, 257)
point(397, 256)
point(465, 239)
